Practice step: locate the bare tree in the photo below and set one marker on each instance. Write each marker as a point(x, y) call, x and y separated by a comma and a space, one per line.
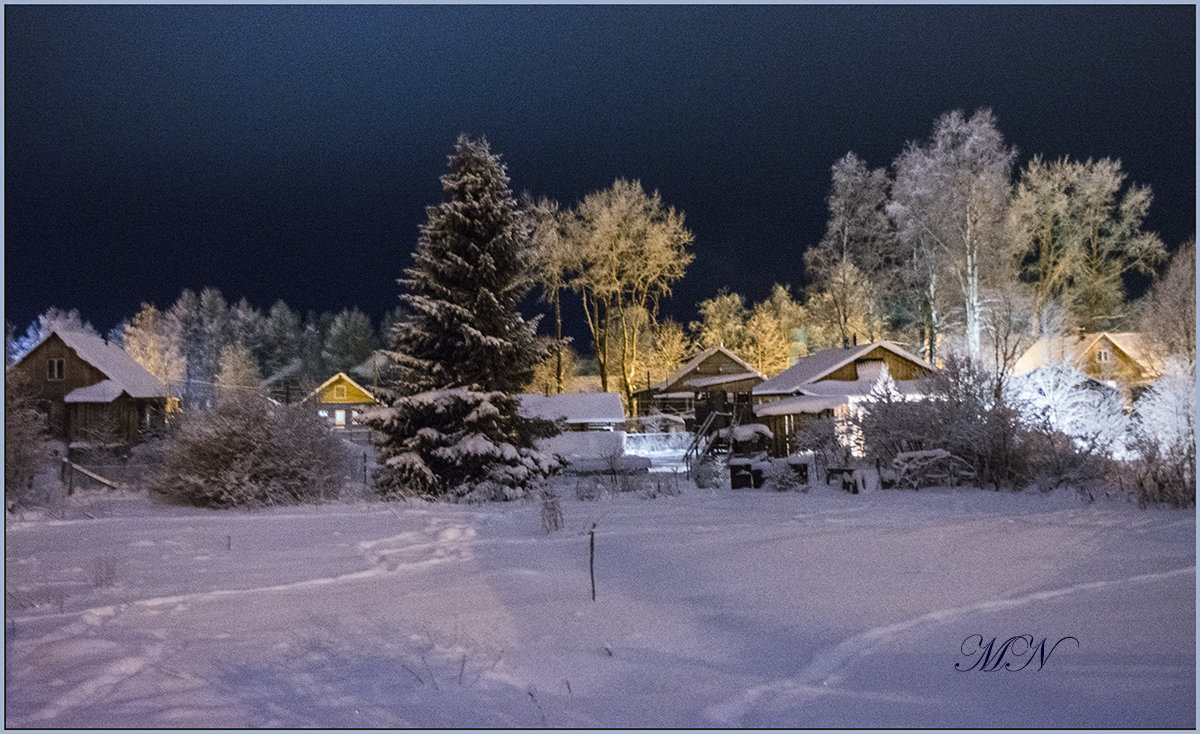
point(628, 250)
point(1037, 219)
point(848, 263)
point(554, 261)
point(1170, 314)
point(1105, 232)
point(949, 202)
point(722, 321)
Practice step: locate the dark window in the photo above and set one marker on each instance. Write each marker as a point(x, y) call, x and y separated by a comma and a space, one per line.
point(54, 369)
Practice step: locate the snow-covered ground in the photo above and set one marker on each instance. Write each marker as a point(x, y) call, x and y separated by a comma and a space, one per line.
point(713, 608)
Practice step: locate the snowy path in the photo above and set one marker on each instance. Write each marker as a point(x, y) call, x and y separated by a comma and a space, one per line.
point(713, 608)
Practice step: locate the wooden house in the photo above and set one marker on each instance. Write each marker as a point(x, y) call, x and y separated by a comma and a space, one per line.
point(1123, 360)
point(828, 383)
point(714, 380)
point(90, 389)
point(341, 401)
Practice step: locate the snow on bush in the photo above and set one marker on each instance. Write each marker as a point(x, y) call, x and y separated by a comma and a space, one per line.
point(251, 452)
point(1163, 438)
point(1062, 399)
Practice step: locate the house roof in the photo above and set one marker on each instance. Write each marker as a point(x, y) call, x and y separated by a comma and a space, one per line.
point(800, 376)
point(575, 407)
point(702, 382)
point(335, 378)
point(114, 362)
point(104, 391)
point(1052, 350)
point(696, 361)
point(802, 404)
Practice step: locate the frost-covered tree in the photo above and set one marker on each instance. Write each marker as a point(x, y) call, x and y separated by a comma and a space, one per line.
point(553, 374)
point(450, 425)
point(52, 318)
point(554, 262)
point(184, 330)
point(1170, 310)
point(1037, 219)
point(950, 202)
point(769, 331)
point(149, 343)
point(348, 343)
point(238, 373)
point(850, 261)
point(1104, 231)
point(667, 345)
point(628, 248)
point(283, 337)
point(722, 321)
point(248, 325)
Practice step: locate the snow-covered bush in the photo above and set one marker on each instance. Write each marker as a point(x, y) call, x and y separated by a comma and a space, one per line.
point(783, 478)
point(961, 414)
point(1072, 427)
point(820, 437)
point(251, 452)
point(1163, 438)
point(710, 473)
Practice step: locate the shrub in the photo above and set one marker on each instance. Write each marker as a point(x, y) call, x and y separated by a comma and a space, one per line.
point(1163, 439)
point(250, 451)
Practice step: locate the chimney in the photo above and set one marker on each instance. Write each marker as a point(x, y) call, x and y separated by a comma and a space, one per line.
point(854, 339)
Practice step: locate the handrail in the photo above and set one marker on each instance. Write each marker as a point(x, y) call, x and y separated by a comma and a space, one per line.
point(701, 443)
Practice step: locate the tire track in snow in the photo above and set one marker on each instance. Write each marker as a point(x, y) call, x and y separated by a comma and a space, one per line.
point(90, 690)
point(822, 672)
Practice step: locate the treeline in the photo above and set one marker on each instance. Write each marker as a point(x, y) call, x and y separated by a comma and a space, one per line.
point(948, 250)
point(201, 343)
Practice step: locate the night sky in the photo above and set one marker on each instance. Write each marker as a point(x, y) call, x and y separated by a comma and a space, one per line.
point(290, 151)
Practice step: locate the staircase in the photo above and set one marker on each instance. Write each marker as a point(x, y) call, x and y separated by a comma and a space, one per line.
point(709, 442)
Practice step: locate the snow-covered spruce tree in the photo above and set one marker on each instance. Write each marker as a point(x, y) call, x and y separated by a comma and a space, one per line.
point(450, 425)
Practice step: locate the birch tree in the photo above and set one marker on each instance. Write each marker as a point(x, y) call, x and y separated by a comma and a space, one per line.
point(949, 202)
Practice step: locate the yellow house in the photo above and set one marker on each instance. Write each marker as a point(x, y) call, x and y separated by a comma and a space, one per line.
point(341, 401)
point(1125, 360)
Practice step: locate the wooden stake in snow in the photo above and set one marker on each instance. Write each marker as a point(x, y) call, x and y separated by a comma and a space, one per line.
point(592, 560)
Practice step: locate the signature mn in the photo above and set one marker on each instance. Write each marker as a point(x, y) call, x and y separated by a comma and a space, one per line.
point(1014, 654)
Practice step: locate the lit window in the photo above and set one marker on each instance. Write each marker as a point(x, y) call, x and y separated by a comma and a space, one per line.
point(54, 369)
point(323, 413)
point(339, 392)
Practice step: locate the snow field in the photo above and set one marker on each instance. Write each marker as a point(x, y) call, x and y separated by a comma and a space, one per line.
point(714, 608)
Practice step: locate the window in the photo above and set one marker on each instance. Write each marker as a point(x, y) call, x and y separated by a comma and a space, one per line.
point(323, 413)
point(54, 369)
point(1103, 356)
point(339, 392)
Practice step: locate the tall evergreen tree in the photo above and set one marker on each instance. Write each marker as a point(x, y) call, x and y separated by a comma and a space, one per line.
point(450, 426)
point(283, 337)
point(348, 343)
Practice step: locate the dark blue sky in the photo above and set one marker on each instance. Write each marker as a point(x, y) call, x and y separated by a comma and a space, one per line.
point(289, 151)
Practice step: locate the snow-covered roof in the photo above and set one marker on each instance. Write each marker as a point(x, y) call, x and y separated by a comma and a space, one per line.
point(797, 378)
point(696, 361)
point(335, 378)
point(105, 391)
point(702, 382)
point(575, 407)
point(803, 404)
point(1052, 350)
point(116, 365)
